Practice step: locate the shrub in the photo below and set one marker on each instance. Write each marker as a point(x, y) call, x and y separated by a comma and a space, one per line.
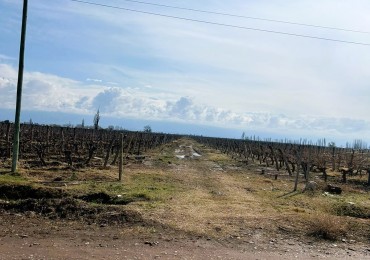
point(326, 226)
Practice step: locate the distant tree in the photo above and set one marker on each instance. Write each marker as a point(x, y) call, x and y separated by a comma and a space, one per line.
point(96, 120)
point(331, 144)
point(243, 135)
point(147, 129)
point(69, 124)
point(82, 125)
point(31, 122)
point(359, 144)
point(110, 127)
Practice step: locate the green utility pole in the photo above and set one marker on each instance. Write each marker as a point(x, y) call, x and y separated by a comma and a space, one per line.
point(19, 89)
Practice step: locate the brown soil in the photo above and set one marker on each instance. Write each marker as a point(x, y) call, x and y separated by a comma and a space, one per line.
point(32, 237)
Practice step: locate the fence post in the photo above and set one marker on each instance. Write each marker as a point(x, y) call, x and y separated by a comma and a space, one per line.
point(120, 170)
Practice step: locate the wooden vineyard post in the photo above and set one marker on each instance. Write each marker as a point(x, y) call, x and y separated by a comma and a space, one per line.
point(120, 170)
point(299, 161)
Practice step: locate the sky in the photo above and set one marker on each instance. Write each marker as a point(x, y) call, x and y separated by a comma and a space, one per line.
point(135, 66)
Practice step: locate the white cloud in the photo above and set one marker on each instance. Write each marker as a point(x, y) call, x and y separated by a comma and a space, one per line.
point(51, 93)
point(95, 80)
point(45, 92)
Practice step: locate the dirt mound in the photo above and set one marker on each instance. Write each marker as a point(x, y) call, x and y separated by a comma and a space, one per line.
point(55, 203)
point(99, 197)
point(72, 209)
point(15, 192)
point(351, 210)
point(104, 198)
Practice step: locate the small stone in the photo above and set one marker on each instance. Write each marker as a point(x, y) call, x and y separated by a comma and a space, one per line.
point(218, 229)
point(151, 243)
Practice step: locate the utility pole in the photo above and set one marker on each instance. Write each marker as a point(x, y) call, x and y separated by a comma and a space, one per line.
point(19, 89)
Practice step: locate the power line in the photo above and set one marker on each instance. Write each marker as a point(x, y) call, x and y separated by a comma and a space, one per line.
point(249, 17)
point(222, 24)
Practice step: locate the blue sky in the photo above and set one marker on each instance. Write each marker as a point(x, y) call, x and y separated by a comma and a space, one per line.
point(134, 66)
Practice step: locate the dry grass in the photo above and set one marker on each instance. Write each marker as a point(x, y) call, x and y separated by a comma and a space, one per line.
point(326, 226)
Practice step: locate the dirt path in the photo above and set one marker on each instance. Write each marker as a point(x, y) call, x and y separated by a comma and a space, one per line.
point(36, 238)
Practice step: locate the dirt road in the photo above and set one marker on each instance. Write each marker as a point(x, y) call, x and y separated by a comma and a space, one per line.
point(36, 238)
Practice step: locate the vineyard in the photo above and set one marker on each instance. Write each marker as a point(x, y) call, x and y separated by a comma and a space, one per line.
point(42, 145)
point(296, 157)
point(76, 147)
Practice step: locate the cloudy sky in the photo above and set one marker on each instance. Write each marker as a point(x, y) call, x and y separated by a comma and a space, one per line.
point(82, 57)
